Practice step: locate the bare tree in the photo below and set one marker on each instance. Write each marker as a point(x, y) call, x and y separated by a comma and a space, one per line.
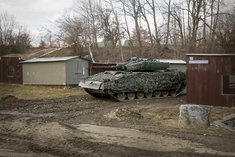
point(203, 19)
point(109, 26)
point(133, 10)
point(143, 11)
point(88, 9)
point(72, 32)
point(204, 23)
point(215, 17)
point(226, 31)
point(7, 27)
point(168, 21)
point(127, 27)
point(178, 17)
point(194, 10)
point(47, 36)
point(117, 28)
point(189, 25)
point(153, 13)
point(13, 37)
point(22, 40)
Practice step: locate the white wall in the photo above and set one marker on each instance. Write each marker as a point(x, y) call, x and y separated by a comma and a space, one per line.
point(69, 72)
point(51, 73)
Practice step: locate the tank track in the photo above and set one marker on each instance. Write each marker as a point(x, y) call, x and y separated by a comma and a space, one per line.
point(129, 96)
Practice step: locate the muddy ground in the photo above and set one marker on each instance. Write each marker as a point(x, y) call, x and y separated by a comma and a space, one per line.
point(86, 126)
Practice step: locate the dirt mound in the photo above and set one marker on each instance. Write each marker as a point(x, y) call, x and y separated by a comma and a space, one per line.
point(124, 114)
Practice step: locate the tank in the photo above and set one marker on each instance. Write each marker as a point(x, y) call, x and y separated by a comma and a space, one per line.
point(136, 79)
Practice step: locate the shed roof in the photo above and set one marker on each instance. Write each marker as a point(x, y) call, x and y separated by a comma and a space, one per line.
point(172, 61)
point(209, 54)
point(50, 59)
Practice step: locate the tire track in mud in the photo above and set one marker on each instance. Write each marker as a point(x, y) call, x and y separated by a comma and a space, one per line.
point(61, 109)
point(39, 147)
point(78, 147)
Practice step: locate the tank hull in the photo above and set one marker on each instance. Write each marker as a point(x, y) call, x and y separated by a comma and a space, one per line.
point(124, 86)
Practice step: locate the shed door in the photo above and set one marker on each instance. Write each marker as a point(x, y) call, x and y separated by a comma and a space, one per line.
point(79, 68)
point(82, 70)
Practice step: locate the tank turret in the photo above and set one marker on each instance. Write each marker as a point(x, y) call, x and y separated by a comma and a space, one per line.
point(140, 64)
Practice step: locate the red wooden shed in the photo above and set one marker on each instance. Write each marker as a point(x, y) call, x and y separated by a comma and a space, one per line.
point(211, 79)
point(11, 70)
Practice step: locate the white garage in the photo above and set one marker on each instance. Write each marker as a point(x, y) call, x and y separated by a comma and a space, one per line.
point(54, 70)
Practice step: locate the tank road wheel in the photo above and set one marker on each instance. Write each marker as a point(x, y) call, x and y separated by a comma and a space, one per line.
point(157, 94)
point(173, 93)
point(165, 93)
point(130, 96)
point(121, 96)
point(140, 95)
point(149, 94)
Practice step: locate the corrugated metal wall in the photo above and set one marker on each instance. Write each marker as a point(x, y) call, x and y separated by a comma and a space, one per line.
point(12, 63)
point(205, 79)
point(1, 73)
point(75, 70)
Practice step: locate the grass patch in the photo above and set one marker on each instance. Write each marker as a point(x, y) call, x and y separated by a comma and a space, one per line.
point(165, 116)
point(38, 92)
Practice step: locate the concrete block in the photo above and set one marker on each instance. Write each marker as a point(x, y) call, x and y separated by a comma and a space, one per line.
point(194, 115)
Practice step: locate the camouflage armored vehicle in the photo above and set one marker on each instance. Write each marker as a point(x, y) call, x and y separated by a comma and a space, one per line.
point(136, 79)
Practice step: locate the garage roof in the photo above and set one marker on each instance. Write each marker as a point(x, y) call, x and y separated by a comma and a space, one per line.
point(172, 61)
point(50, 59)
point(210, 54)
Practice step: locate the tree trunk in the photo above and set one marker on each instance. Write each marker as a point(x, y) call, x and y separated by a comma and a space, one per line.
point(137, 28)
point(143, 12)
point(168, 22)
point(127, 27)
point(118, 29)
point(155, 23)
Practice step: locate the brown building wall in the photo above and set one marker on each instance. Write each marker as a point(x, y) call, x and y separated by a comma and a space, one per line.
point(206, 79)
point(100, 67)
point(1, 74)
point(11, 70)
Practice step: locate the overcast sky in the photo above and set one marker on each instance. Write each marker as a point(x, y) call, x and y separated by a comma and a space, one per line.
point(35, 14)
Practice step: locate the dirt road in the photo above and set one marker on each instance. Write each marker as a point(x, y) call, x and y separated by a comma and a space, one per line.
point(86, 126)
